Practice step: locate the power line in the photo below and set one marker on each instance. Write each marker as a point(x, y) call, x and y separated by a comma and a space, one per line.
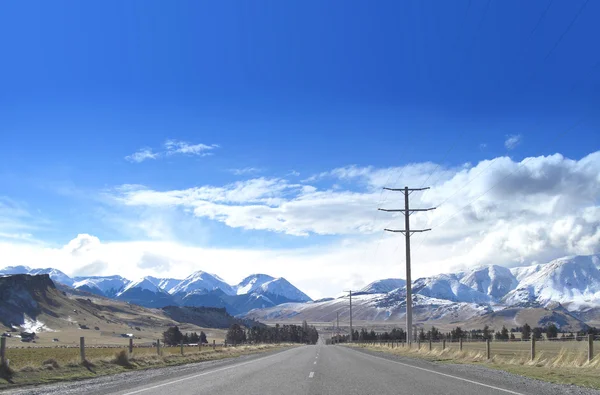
point(539, 22)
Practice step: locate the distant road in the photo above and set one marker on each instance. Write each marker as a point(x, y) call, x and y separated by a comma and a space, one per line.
point(314, 370)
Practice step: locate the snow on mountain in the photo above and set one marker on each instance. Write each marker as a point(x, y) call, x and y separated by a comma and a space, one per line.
point(55, 274)
point(384, 286)
point(202, 281)
point(145, 293)
point(144, 283)
point(166, 284)
point(495, 281)
point(9, 270)
point(373, 307)
point(570, 280)
point(251, 283)
point(282, 287)
point(448, 287)
point(107, 285)
point(525, 271)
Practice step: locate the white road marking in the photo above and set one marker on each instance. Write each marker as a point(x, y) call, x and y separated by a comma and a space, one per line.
point(205, 373)
point(311, 375)
point(447, 375)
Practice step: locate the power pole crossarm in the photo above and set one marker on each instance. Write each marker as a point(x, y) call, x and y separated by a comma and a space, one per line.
point(407, 233)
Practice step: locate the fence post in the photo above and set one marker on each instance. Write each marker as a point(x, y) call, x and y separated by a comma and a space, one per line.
point(200, 346)
point(181, 345)
point(532, 348)
point(430, 344)
point(487, 346)
point(157, 346)
point(214, 345)
point(2, 351)
point(82, 349)
point(443, 344)
point(419, 344)
point(130, 346)
point(590, 347)
point(460, 344)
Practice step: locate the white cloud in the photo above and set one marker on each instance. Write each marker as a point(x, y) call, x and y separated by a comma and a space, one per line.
point(512, 141)
point(534, 210)
point(172, 147)
point(245, 170)
point(181, 147)
point(142, 155)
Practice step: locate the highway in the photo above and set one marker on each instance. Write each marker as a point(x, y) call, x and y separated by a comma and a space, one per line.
point(314, 370)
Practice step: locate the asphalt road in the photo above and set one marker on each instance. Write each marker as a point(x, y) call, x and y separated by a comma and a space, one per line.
point(314, 370)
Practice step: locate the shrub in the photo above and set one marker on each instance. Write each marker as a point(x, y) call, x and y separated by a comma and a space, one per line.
point(51, 362)
point(122, 359)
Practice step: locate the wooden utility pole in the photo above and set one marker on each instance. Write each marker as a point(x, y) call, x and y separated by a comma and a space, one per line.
point(351, 333)
point(338, 326)
point(407, 233)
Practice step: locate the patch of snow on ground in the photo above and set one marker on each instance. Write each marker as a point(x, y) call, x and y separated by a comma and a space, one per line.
point(36, 326)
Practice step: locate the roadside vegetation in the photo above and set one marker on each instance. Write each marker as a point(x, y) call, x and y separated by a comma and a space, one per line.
point(46, 365)
point(37, 365)
point(557, 362)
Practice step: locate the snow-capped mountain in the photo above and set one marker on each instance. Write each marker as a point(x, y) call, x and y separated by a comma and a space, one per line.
point(145, 293)
point(495, 281)
point(373, 307)
point(55, 275)
point(263, 284)
point(166, 284)
point(282, 287)
point(384, 286)
point(201, 281)
point(448, 287)
point(573, 281)
point(9, 270)
point(108, 286)
point(252, 282)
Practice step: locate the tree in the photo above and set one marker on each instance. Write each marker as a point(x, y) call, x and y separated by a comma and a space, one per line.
point(203, 338)
point(172, 336)
point(551, 331)
point(512, 336)
point(487, 334)
point(537, 333)
point(457, 333)
point(504, 333)
point(235, 334)
point(422, 335)
point(526, 332)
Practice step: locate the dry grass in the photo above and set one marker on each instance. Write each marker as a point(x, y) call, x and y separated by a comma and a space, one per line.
point(568, 364)
point(38, 365)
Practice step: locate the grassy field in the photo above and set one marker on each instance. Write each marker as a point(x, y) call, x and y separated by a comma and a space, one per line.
point(555, 361)
point(43, 365)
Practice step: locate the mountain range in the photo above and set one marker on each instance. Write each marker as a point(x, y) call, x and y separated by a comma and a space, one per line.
point(565, 291)
point(198, 289)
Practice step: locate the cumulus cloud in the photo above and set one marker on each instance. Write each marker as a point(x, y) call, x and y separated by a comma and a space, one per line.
point(479, 206)
point(82, 244)
point(142, 155)
point(512, 141)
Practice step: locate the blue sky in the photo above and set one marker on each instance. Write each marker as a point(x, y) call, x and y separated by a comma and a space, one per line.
point(290, 89)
